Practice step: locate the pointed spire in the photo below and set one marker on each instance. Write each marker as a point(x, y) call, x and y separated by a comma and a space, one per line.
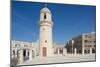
point(45, 5)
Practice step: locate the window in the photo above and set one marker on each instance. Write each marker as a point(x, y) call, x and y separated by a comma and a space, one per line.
point(93, 51)
point(86, 41)
point(80, 51)
point(45, 41)
point(44, 16)
point(88, 51)
point(85, 51)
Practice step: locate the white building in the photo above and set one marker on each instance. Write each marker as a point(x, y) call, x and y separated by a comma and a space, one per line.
point(46, 24)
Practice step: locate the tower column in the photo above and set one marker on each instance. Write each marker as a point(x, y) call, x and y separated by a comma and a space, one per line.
point(45, 38)
point(90, 50)
point(75, 51)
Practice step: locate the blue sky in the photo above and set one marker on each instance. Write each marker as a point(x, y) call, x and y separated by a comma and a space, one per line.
point(69, 20)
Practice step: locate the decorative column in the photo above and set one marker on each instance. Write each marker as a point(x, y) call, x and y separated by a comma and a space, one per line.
point(75, 51)
point(83, 44)
point(90, 50)
point(20, 57)
point(72, 45)
point(26, 53)
point(64, 51)
point(83, 50)
point(58, 51)
point(16, 53)
point(30, 55)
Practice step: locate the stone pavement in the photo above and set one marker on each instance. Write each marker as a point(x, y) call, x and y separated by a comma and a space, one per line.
point(61, 59)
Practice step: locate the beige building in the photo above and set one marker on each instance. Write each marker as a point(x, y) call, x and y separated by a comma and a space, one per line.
point(84, 44)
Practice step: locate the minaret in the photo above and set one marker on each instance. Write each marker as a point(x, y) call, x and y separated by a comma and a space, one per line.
point(45, 38)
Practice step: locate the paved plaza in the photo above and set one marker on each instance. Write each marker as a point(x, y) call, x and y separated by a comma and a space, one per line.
point(61, 58)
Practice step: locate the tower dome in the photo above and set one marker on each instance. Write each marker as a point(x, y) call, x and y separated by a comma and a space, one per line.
point(45, 10)
point(45, 14)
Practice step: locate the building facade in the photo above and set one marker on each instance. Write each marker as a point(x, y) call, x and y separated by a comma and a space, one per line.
point(21, 51)
point(84, 44)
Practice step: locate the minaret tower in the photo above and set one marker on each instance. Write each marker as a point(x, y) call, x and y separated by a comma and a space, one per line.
point(45, 38)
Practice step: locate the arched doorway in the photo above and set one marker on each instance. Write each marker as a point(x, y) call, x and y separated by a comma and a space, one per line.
point(44, 52)
point(24, 53)
point(13, 52)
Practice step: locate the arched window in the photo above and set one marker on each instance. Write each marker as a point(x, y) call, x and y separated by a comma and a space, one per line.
point(44, 16)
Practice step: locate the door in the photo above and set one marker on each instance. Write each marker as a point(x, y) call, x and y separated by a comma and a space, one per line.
point(44, 51)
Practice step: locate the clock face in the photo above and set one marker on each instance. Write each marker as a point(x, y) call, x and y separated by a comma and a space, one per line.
point(43, 29)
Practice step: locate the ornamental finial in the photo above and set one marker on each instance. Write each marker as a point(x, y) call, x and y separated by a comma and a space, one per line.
point(45, 5)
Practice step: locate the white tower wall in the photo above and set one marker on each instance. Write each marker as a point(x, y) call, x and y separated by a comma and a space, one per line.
point(46, 44)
